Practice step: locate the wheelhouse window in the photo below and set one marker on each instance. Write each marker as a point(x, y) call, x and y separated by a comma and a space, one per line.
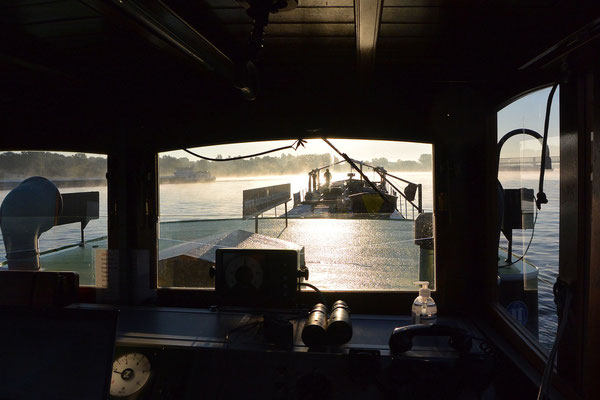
point(53, 212)
point(365, 223)
point(529, 243)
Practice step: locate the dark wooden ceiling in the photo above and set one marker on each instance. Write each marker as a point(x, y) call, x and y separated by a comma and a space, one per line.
point(116, 65)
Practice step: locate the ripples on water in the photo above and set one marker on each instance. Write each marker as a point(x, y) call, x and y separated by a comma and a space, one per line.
point(223, 199)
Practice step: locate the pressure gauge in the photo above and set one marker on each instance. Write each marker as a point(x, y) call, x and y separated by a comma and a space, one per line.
point(243, 271)
point(130, 374)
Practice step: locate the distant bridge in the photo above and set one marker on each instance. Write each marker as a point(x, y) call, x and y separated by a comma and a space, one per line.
point(525, 163)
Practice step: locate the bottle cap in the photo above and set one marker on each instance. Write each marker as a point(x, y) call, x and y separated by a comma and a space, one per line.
point(424, 290)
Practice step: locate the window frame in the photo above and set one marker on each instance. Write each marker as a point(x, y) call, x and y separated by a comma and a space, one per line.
point(575, 240)
point(364, 302)
point(517, 334)
point(498, 317)
point(87, 291)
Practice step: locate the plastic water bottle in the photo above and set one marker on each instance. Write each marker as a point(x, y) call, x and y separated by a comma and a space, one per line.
point(424, 310)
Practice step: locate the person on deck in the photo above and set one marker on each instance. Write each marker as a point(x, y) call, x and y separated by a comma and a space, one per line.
point(327, 176)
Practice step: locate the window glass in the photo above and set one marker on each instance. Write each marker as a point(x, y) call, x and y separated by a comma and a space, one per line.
point(526, 279)
point(352, 237)
point(62, 197)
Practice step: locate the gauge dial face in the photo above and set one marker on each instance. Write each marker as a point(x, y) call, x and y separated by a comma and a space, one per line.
point(130, 373)
point(243, 272)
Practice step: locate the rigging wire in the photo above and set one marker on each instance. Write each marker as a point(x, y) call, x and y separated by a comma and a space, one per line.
point(353, 165)
point(330, 165)
point(295, 145)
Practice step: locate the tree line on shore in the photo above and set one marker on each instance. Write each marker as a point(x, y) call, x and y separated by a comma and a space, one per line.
point(57, 165)
point(51, 165)
point(282, 165)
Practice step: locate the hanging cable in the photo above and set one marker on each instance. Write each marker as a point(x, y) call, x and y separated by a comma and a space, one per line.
point(528, 244)
point(316, 289)
point(541, 196)
point(297, 143)
point(562, 296)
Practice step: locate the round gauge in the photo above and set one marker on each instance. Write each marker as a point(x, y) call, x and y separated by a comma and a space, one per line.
point(130, 373)
point(243, 272)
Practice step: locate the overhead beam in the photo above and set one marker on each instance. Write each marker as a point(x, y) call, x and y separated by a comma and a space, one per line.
point(558, 51)
point(160, 25)
point(367, 18)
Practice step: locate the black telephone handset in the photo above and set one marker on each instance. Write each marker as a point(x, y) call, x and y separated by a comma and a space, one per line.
point(401, 339)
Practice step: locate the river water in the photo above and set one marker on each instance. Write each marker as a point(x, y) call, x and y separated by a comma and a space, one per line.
point(222, 199)
point(544, 249)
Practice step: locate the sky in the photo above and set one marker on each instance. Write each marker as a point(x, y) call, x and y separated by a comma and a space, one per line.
point(529, 112)
point(364, 150)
